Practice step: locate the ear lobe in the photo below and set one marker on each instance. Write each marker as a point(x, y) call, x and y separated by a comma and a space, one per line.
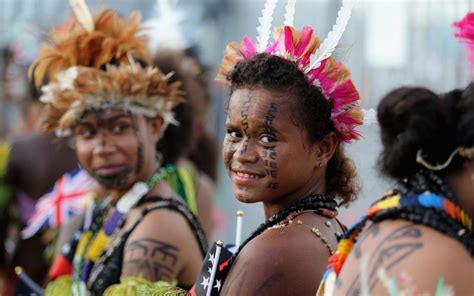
point(325, 149)
point(157, 128)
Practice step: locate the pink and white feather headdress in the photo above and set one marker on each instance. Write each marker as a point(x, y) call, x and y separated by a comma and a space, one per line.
point(312, 57)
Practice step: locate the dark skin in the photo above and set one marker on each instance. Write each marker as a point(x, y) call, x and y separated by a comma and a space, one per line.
point(400, 247)
point(118, 150)
point(270, 160)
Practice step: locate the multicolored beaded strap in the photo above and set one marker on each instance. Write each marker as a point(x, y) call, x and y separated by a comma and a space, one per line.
point(395, 201)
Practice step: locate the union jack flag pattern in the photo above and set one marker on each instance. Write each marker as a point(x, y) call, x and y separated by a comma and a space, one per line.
point(65, 200)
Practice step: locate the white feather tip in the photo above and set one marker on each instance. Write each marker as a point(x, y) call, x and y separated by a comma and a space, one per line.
point(290, 12)
point(82, 13)
point(330, 42)
point(264, 30)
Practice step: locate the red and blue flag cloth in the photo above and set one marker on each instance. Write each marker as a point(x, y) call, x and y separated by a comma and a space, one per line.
point(203, 282)
point(65, 200)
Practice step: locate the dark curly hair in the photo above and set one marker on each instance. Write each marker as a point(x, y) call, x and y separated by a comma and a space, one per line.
point(414, 118)
point(311, 110)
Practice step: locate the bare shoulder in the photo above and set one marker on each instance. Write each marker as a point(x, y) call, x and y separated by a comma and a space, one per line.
point(401, 248)
point(281, 261)
point(159, 247)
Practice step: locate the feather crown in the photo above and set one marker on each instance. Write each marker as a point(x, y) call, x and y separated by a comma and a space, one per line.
point(312, 57)
point(93, 65)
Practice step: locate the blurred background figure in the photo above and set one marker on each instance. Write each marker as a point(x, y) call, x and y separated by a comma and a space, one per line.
point(188, 145)
point(31, 163)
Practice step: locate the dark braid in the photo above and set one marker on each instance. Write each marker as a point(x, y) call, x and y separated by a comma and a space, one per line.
point(314, 202)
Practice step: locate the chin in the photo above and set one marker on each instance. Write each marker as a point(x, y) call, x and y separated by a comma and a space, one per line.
point(247, 197)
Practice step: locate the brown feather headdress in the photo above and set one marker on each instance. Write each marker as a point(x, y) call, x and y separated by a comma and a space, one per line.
point(94, 67)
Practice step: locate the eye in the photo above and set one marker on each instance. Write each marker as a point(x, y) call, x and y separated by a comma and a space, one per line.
point(233, 134)
point(119, 128)
point(267, 139)
point(85, 132)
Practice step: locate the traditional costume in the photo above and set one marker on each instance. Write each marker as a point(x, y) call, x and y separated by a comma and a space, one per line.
point(314, 60)
point(102, 63)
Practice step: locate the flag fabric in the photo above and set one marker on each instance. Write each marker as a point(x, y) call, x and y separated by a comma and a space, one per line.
point(203, 281)
point(65, 200)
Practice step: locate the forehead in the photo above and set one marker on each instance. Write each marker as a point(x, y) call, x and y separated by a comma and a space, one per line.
point(105, 115)
point(258, 103)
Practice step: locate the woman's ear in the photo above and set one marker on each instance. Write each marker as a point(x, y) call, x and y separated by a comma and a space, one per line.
point(157, 128)
point(325, 149)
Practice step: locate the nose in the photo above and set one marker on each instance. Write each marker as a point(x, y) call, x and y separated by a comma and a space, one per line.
point(246, 152)
point(103, 145)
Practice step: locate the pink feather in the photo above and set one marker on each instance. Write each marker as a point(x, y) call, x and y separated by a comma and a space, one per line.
point(288, 40)
point(249, 47)
point(466, 33)
point(303, 44)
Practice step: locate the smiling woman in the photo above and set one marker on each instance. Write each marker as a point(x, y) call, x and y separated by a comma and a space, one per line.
point(116, 109)
point(290, 111)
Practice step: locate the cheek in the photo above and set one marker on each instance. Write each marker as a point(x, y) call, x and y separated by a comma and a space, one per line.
point(228, 149)
point(83, 152)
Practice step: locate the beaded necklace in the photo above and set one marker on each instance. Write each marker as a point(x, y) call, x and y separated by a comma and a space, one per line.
point(291, 220)
point(94, 239)
point(317, 203)
point(434, 210)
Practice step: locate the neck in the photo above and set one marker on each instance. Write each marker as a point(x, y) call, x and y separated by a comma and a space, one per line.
point(316, 185)
point(117, 193)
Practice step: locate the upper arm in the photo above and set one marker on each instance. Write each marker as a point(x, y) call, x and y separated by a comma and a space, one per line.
point(159, 247)
point(405, 250)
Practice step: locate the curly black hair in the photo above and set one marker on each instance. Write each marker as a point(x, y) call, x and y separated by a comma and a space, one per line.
point(414, 118)
point(311, 110)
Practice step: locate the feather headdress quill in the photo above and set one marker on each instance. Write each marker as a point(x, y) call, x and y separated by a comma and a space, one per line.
point(313, 59)
point(85, 69)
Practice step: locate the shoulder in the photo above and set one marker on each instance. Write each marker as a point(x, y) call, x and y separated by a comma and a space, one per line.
point(160, 247)
point(401, 248)
point(161, 222)
point(280, 261)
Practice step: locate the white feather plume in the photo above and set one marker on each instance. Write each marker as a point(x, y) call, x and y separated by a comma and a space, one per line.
point(164, 31)
point(265, 28)
point(330, 42)
point(290, 12)
point(82, 13)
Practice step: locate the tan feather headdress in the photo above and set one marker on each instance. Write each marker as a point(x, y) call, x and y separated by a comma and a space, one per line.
point(94, 66)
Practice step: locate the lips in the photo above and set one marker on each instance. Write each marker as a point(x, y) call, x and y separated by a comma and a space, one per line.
point(110, 170)
point(245, 177)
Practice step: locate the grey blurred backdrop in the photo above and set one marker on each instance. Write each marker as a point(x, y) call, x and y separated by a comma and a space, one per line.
point(388, 43)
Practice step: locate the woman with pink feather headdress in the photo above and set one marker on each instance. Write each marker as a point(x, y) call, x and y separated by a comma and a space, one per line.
point(291, 110)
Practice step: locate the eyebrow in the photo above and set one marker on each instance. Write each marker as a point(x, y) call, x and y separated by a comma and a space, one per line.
point(267, 127)
point(111, 118)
